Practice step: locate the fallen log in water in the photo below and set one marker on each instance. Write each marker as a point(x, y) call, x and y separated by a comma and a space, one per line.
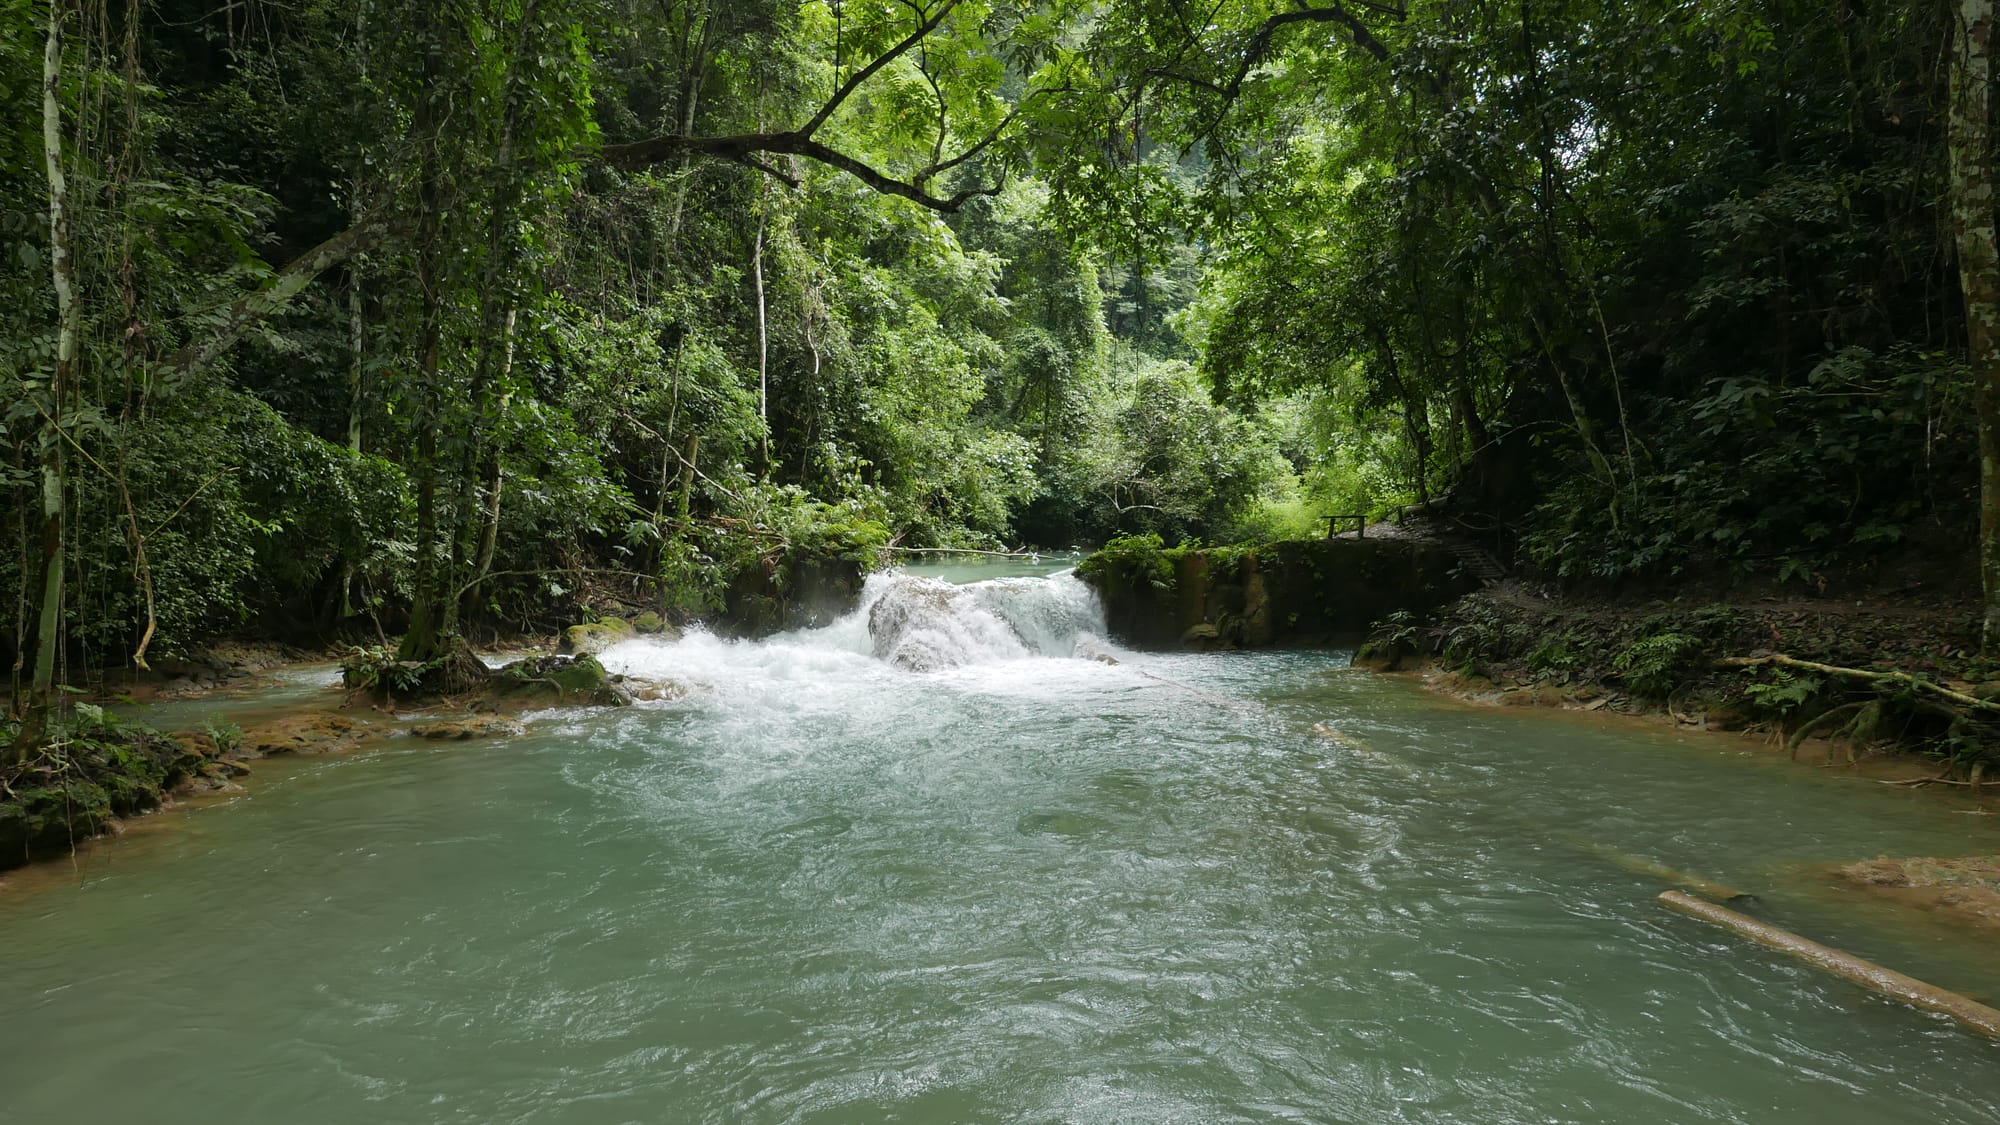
point(1651, 867)
point(1867, 974)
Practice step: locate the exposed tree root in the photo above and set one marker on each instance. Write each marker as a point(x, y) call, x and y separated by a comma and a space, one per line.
point(1818, 722)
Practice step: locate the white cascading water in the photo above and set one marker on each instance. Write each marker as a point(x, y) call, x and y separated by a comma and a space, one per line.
point(925, 624)
point(910, 622)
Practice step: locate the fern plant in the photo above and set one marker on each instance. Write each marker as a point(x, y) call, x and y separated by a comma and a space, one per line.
point(1654, 666)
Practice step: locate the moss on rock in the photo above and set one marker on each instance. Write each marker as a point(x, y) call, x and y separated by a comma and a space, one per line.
point(560, 680)
point(593, 638)
point(100, 769)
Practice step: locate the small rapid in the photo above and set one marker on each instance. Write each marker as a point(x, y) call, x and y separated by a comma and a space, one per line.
point(925, 624)
point(908, 621)
point(932, 863)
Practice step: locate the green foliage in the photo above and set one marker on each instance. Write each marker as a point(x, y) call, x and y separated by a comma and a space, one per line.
point(1228, 283)
point(1134, 562)
point(1778, 692)
point(1481, 632)
point(375, 669)
point(1557, 657)
point(1830, 469)
point(226, 736)
point(1656, 665)
point(1392, 638)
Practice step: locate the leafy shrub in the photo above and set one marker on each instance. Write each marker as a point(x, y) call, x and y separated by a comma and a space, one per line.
point(1137, 561)
point(1656, 665)
point(1782, 693)
point(374, 668)
point(1556, 656)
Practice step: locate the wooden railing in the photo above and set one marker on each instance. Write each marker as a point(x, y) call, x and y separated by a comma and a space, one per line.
point(1358, 519)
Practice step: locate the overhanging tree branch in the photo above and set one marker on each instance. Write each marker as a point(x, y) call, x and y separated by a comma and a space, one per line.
point(855, 80)
point(1260, 40)
point(745, 148)
point(271, 298)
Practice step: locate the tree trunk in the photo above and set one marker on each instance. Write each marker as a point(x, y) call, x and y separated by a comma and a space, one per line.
point(495, 357)
point(1970, 140)
point(763, 340)
point(425, 638)
point(496, 476)
point(62, 270)
point(687, 483)
point(357, 370)
point(697, 68)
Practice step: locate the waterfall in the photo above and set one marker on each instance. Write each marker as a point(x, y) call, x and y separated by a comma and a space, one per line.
point(903, 620)
point(925, 624)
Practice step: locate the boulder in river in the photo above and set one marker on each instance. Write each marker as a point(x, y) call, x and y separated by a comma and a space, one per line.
point(652, 624)
point(593, 638)
point(560, 681)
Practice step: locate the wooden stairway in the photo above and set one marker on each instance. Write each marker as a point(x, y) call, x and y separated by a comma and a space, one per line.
point(1476, 561)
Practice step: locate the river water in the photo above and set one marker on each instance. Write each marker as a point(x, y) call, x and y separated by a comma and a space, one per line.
point(961, 868)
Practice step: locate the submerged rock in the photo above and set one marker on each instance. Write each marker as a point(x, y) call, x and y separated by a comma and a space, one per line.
point(926, 625)
point(459, 730)
point(1962, 889)
point(313, 732)
point(654, 691)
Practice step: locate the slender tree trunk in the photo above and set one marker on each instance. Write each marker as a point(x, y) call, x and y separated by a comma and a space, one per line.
point(495, 359)
point(357, 362)
point(357, 341)
point(496, 476)
point(356, 391)
point(687, 482)
point(425, 636)
point(697, 73)
point(1970, 141)
point(763, 338)
point(62, 271)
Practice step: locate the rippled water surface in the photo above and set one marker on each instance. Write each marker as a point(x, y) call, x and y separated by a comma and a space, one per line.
point(1018, 885)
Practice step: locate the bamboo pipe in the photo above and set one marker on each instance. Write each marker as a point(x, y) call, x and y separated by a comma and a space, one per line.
point(1867, 974)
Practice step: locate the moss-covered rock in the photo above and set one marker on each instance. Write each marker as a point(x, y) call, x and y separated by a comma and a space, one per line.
point(559, 680)
point(799, 588)
point(593, 638)
point(101, 770)
point(49, 820)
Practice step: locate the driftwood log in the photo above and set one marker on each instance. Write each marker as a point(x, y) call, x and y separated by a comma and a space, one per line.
point(1867, 974)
